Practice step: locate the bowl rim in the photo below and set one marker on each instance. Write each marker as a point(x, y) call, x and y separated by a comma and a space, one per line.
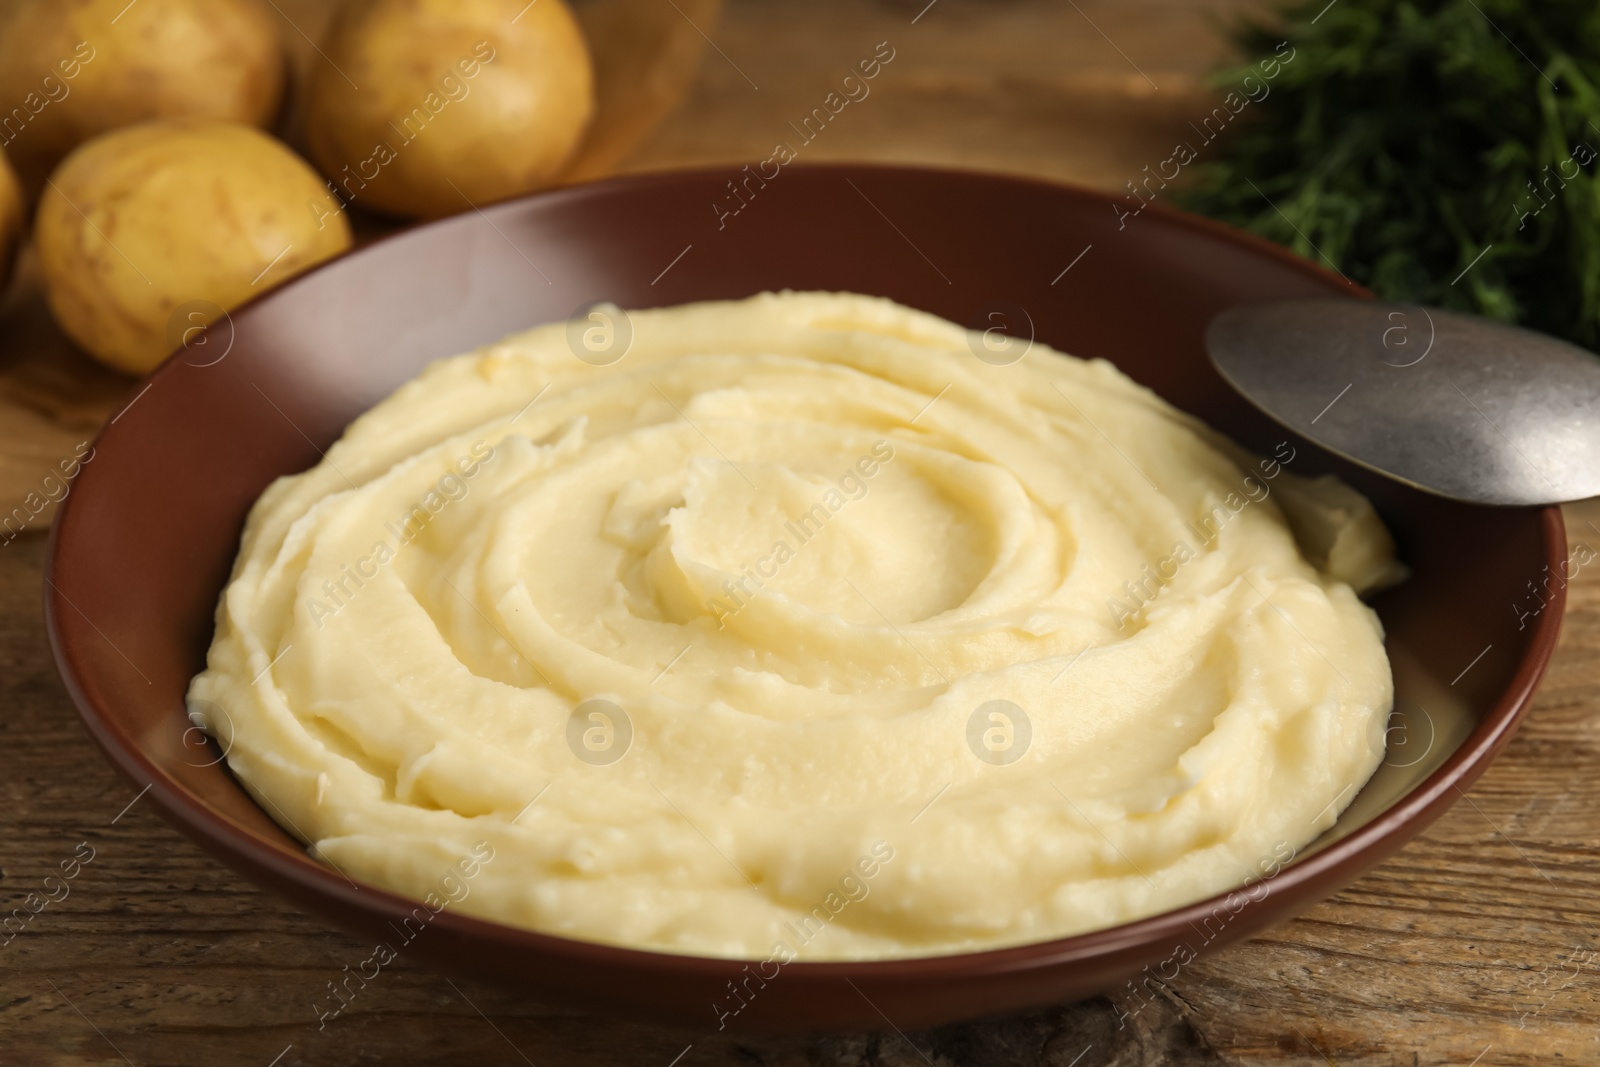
point(1338, 863)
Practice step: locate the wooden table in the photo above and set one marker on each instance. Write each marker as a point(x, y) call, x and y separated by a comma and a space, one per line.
point(1478, 944)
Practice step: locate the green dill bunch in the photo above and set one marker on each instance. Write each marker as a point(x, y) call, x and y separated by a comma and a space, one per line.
point(1437, 151)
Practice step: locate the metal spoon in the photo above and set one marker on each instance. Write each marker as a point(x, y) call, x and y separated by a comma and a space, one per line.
point(1448, 403)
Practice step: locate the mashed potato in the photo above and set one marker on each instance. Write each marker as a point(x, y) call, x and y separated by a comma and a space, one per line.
point(799, 631)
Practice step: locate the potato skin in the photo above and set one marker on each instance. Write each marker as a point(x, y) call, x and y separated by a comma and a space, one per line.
point(458, 105)
point(142, 220)
point(68, 72)
point(11, 220)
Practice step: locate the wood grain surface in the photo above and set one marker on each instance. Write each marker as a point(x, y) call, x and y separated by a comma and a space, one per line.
point(1478, 944)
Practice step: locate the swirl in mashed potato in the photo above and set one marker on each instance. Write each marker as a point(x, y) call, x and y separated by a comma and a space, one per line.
point(800, 631)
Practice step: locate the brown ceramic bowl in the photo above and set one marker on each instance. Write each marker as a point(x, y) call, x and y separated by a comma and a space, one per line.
point(146, 539)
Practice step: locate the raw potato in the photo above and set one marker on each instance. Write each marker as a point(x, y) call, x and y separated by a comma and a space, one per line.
point(139, 226)
point(11, 219)
point(72, 69)
point(461, 102)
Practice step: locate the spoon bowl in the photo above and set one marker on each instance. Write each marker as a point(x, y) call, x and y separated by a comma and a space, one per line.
point(1452, 404)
